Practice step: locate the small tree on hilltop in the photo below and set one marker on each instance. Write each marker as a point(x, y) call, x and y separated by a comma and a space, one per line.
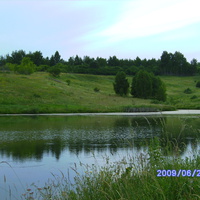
point(121, 84)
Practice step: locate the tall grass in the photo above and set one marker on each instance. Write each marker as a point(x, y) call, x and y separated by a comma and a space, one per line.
point(134, 177)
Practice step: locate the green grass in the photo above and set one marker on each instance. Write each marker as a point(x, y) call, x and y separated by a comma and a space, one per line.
point(133, 178)
point(175, 90)
point(40, 93)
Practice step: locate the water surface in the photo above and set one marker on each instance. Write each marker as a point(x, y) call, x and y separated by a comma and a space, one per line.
point(34, 147)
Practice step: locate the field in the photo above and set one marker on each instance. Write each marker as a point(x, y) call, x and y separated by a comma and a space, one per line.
point(41, 93)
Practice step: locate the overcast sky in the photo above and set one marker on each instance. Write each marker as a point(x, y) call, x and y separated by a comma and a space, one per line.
point(125, 28)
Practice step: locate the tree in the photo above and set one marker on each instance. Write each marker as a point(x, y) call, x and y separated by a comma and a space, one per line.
point(113, 61)
point(16, 57)
point(158, 88)
point(146, 85)
point(142, 85)
point(101, 62)
point(166, 63)
point(52, 61)
point(26, 67)
point(94, 64)
point(2, 61)
point(78, 60)
point(179, 64)
point(71, 61)
point(87, 60)
point(121, 85)
point(193, 66)
point(55, 59)
point(137, 62)
point(176, 64)
point(36, 57)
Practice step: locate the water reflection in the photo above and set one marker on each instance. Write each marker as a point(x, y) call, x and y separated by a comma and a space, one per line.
point(25, 138)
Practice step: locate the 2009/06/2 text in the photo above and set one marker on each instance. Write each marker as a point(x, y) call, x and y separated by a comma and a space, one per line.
point(178, 173)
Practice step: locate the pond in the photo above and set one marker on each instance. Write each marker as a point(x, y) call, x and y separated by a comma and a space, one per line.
point(35, 148)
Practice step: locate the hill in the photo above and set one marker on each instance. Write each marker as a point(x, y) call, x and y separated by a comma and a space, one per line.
point(72, 93)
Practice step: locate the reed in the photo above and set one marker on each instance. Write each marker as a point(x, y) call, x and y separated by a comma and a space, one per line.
point(134, 177)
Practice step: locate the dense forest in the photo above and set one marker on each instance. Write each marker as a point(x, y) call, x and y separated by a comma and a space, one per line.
point(168, 64)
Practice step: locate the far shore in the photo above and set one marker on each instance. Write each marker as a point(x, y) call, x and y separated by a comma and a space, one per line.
point(177, 112)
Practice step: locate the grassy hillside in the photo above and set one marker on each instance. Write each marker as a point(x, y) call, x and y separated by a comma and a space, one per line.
point(40, 93)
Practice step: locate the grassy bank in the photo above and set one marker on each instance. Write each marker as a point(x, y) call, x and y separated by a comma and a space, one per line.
point(134, 178)
point(40, 93)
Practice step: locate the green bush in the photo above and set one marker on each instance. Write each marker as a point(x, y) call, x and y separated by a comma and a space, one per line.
point(188, 91)
point(121, 84)
point(54, 71)
point(146, 85)
point(26, 67)
point(96, 89)
point(142, 85)
point(194, 97)
point(68, 82)
point(198, 84)
point(36, 95)
point(42, 68)
point(159, 89)
point(155, 101)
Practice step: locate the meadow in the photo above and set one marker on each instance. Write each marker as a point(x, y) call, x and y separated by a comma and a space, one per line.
point(74, 93)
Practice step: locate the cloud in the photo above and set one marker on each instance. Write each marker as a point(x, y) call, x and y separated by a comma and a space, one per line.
point(98, 27)
point(145, 18)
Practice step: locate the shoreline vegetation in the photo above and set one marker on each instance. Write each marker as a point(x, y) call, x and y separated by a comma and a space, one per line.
point(154, 174)
point(80, 93)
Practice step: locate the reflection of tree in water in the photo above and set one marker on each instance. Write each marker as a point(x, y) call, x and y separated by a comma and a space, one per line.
point(22, 150)
point(57, 147)
point(97, 135)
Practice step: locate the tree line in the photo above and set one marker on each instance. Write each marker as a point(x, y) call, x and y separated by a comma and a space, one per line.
point(168, 64)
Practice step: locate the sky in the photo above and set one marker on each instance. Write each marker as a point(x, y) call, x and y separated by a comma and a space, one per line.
point(101, 28)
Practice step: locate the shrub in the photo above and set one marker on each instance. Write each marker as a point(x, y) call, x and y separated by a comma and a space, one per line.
point(155, 101)
point(36, 95)
point(121, 84)
point(159, 89)
point(54, 71)
point(142, 85)
point(146, 85)
point(96, 89)
point(42, 68)
point(198, 84)
point(194, 97)
point(26, 67)
point(188, 91)
point(68, 82)
point(8, 67)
